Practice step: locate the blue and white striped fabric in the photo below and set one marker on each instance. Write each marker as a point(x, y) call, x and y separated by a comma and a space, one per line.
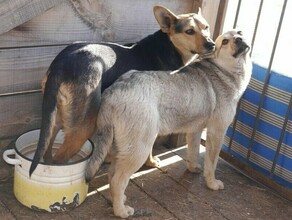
point(263, 148)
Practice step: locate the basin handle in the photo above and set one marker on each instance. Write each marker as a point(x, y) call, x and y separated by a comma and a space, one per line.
point(9, 160)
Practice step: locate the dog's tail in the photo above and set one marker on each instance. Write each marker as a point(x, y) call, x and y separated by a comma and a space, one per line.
point(49, 112)
point(105, 137)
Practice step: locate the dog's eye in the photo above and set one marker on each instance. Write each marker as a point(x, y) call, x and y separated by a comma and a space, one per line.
point(190, 32)
point(207, 27)
point(225, 41)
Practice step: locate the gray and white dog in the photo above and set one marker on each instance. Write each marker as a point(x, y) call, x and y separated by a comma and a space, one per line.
point(142, 105)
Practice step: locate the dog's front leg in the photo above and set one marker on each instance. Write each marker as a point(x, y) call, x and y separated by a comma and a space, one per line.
point(193, 141)
point(213, 146)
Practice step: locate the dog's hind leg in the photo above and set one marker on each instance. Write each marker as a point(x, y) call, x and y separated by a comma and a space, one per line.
point(215, 137)
point(73, 141)
point(193, 152)
point(78, 113)
point(75, 137)
point(48, 156)
point(131, 153)
point(125, 164)
point(119, 181)
point(152, 161)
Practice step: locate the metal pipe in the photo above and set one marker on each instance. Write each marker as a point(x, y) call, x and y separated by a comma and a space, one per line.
point(20, 93)
point(256, 25)
point(253, 39)
point(281, 137)
point(237, 13)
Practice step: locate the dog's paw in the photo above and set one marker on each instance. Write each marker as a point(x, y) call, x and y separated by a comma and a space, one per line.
point(194, 168)
point(153, 162)
point(215, 185)
point(124, 212)
point(130, 210)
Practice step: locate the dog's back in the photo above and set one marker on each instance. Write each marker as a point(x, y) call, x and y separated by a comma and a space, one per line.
point(175, 100)
point(160, 94)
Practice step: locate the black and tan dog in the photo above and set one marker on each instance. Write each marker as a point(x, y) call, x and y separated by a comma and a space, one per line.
point(81, 72)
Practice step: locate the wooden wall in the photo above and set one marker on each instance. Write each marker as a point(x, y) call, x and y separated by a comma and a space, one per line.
point(33, 32)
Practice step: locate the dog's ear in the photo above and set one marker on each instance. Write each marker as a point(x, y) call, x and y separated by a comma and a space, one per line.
point(199, 11)
point(164, 17)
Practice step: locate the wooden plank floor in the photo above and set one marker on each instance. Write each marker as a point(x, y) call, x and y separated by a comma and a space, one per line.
point(170, 192)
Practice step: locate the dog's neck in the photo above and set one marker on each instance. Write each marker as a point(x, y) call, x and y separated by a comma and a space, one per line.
point(240, 69)
point(185, 54)
point(159, 52)
point(237, 66)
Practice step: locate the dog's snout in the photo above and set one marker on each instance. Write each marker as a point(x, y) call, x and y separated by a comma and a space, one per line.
point(238, 40)
point(209, 45)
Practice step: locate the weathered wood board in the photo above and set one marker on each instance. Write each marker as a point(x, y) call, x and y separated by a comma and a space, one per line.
point(22, 69)
point(59, 25)
point(18, 114)
point(16, 12)
point(117, 21)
